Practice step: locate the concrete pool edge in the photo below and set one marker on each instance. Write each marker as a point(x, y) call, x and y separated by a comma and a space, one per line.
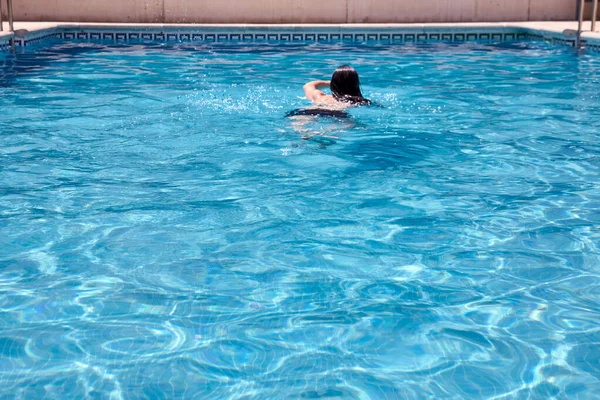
point(28, 33)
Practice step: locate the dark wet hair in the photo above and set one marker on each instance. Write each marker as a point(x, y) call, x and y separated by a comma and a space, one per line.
point(345, 86)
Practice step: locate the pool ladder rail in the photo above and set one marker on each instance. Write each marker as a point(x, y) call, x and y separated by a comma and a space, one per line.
point(10, 16)
point(11, 27)
point(569, 32)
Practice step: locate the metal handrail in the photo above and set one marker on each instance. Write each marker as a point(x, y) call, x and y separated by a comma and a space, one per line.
point(580, 23)
point(579, 31)
point(11, 27)
point(10, 15)
point(594, 12)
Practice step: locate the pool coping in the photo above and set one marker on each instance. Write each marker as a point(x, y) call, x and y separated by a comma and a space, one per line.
point(28, 33)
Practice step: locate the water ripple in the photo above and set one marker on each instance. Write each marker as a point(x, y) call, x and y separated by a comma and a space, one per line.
point(165, 232)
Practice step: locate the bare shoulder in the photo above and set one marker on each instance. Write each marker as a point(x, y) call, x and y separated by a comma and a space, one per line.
point(318, 97)
point(323, 98)
point(313, 93)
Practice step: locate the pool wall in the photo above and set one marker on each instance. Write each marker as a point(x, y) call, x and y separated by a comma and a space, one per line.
point(5, 41)
point(379, 33)
point(294, 11)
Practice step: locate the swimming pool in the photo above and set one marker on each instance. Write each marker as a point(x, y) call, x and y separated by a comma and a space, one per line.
point(167, 233)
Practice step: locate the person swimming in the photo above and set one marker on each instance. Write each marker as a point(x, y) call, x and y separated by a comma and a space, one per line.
point(345, 93)
point(345, 90)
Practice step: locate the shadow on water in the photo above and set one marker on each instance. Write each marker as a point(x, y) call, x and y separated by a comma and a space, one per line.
point(359, 138)
point(362, 138)
point(320, 125)
point(385, 154)
point(17, 64)
point(43, 55)
point(31, 60)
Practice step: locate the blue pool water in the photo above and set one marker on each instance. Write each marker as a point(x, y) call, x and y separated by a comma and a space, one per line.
point(165, 232)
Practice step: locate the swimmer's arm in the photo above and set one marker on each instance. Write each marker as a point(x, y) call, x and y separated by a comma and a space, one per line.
point(312, 92)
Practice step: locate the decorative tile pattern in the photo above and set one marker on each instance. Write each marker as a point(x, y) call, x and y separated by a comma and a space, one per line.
point(557, 40)
point(22, 42)
point(385, 36)
point(594, 46)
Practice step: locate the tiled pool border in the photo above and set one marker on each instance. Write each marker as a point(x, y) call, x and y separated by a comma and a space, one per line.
point(296, 33)
point(5, 42)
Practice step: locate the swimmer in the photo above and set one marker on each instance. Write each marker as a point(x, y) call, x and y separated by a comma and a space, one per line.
point(345, 90)
point(345, 93)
